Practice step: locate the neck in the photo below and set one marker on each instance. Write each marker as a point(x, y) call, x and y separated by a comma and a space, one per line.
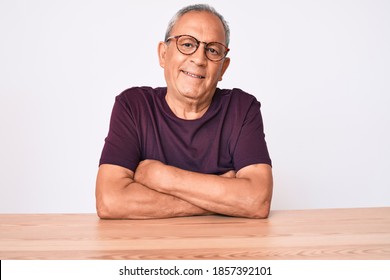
point(188, 109)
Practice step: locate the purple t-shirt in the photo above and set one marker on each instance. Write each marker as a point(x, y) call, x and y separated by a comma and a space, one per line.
point(229, 136)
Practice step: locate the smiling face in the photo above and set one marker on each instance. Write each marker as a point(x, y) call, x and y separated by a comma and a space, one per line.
point(192, 79)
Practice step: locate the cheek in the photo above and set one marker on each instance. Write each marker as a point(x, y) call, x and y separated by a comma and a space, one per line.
point(217, 72)
point(172, 65)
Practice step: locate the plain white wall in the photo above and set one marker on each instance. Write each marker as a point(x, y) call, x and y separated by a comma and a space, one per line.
point(320, 68)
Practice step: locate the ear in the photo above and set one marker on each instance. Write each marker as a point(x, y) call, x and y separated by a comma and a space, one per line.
point(225, 66)
point(162, 51)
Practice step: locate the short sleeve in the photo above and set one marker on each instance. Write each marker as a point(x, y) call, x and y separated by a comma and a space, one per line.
point(251, 147)
point(121, 145)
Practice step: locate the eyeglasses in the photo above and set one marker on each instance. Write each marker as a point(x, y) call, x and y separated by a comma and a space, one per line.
point(187, 44)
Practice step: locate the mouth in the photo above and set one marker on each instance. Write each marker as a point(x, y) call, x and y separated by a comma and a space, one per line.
point(193, 75)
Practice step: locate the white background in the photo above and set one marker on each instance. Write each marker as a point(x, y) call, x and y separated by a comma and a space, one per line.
point(321, 70)
point(109, 269)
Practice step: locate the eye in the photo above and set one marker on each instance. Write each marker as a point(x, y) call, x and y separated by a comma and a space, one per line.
point(187, 45)
point(215, 50)
point(212, 51)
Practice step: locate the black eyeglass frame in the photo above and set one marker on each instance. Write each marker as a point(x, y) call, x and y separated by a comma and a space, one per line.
point(197, 46)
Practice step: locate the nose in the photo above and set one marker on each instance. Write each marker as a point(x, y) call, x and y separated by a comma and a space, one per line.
point(199, 56)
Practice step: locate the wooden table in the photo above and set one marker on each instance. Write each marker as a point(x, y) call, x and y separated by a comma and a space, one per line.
point(362, 233)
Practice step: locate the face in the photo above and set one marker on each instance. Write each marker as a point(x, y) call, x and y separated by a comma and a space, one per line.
point(193, 78)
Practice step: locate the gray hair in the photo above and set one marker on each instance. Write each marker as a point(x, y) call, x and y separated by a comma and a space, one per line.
point(198, 8)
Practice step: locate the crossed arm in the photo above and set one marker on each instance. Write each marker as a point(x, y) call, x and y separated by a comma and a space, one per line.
point(156, 190)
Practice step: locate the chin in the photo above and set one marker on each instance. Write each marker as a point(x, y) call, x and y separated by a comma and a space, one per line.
point(192, 94)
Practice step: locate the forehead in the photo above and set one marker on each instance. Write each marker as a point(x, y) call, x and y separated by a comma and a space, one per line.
point(203, 25)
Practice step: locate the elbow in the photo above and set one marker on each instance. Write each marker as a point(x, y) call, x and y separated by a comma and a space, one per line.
point(260, 205)
point(256, 202)
point(105, 208)
point(103, 211)
point(259, 210)
point(262, 211)
point(253, 208)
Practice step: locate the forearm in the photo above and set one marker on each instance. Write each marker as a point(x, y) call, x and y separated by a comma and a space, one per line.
point(123, 198)
point(244, 196)
point(228, 196)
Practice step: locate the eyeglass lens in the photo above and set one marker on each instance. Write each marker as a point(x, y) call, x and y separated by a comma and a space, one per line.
point(188, 45)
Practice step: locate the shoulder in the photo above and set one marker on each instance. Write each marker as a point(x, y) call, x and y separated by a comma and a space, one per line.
point(136, 100)
point(237, 94)
point(139, 93)
point(237, 97)
point(139, 98)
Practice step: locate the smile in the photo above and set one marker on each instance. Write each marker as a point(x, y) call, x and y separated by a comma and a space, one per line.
point(193, 75)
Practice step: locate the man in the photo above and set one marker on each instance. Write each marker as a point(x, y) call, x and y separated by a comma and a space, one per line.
point(190, 148)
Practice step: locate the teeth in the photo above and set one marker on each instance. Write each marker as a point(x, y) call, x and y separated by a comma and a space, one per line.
point(192, 75)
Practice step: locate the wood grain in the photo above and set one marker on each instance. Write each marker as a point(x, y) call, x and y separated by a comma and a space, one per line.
point(361, 233)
